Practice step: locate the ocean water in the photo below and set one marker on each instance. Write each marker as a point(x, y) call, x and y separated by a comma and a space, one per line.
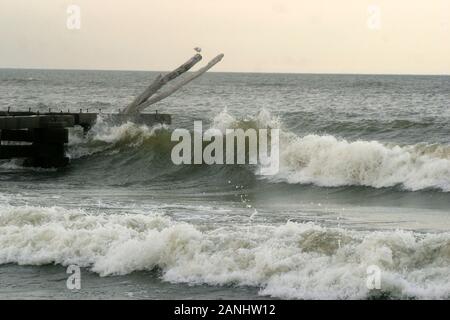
point(364, 180)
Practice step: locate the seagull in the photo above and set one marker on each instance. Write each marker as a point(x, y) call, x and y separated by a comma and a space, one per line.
point(198, 49)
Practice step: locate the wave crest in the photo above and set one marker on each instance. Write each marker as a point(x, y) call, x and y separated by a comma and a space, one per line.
point(323, 160)
point(328, 161)
point(107, 137)
point(292, 260)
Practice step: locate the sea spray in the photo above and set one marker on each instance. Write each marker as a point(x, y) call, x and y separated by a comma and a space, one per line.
point(328, 161)
point(322, 160)
point(287, 260)
point(234, 147)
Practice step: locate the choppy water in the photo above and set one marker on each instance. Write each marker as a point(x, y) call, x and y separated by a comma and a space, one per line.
point(364, 180)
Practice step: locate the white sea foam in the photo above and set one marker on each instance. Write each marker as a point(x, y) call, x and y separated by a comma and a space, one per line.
point(291, 260)
point(328, 161)
point(312, 159)
point(17, 166)
point(223, 121)
point(105, 136)
point(262, 119)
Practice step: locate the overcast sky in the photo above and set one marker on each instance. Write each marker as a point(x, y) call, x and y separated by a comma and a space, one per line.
point(335, 36)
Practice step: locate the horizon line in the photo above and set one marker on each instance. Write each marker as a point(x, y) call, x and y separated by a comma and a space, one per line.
point(245, 72)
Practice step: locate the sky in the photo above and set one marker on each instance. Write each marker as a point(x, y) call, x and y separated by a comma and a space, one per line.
point(292, 36)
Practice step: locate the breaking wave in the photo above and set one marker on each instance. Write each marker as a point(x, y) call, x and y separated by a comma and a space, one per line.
point(329, 161)
point(322, 160)
point(291, 260)
point(105, 137)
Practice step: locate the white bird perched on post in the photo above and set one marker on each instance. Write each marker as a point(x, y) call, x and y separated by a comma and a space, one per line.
point(198, 49)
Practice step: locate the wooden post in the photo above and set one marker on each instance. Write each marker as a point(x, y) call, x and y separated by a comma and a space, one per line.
point(45, 137)
point(159, 82)
point(181, 83)
point(151, 96)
